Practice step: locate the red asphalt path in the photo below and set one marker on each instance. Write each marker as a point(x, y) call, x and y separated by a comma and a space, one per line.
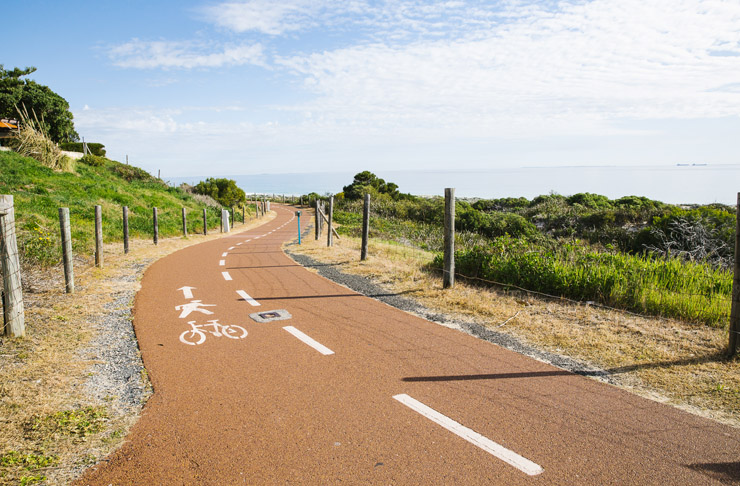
point(369, 401)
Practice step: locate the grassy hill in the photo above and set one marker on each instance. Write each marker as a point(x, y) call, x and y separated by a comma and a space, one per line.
point(39, 191)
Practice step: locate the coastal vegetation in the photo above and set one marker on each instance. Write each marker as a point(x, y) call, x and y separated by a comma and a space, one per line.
point(225, 191)
point(632, 253)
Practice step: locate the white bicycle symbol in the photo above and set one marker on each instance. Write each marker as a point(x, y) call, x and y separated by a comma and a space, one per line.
point(197, 334)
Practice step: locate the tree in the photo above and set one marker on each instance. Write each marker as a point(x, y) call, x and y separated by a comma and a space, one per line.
point(225, 191)
point(367, 182)
point(51, 109)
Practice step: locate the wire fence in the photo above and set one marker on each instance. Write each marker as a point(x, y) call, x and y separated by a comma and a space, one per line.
point(40, 246)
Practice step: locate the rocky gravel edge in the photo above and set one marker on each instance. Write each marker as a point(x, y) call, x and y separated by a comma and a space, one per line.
point(118, 376)
point(365, 286)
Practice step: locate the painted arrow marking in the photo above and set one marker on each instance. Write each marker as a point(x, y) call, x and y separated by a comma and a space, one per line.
point(187, 292)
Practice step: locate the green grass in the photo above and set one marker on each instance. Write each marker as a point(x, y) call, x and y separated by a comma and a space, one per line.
point(694, 292)
point(77, 423)
point(20, 468)
point(39, 191)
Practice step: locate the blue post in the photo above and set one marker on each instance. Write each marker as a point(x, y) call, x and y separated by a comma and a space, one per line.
point(298, 213)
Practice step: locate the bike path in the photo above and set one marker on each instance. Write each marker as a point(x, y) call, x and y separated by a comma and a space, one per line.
point(371, 395)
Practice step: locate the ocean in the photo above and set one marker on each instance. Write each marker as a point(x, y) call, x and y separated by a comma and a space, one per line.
point(685, 184)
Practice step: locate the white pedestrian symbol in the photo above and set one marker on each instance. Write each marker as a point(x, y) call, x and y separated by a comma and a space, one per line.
point(194, 305)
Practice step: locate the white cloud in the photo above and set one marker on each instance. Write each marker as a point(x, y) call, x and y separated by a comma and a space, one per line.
point(186, 55)
point(413, 74)
point(571, 69)
point(389, 19)
point(264, 16)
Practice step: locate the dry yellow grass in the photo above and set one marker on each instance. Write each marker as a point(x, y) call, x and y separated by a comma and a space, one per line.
point(662, 359)
point(50, 426)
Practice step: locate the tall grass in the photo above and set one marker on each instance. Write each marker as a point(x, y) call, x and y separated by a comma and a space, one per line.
point(31, 140)
point(667, 287)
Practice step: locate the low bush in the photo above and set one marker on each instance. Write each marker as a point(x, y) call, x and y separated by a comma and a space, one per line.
point(225, 191)
point(130, 173)
point(94, 148)
point(93, 160)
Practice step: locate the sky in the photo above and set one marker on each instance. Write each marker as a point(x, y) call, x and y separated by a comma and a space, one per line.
point(193, 87)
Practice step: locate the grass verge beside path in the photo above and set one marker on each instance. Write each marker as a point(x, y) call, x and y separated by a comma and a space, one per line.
point(52, 425)
point(662, 359)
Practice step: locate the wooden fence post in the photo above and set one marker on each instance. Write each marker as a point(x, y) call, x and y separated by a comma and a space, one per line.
point(329, 239)
point(365, 227)
point(233, 218)
point(98, 236)
point(69, 275)
point(205, 221)
point(244, 213)
point(155, 224)
point(13, 315)
point(317, 222)
point(735, 309)
point(321, 217)
point(184, 224)
point(125, 229)
point(448, 272)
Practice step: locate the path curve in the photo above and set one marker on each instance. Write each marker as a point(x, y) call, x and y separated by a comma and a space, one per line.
point(347, 389)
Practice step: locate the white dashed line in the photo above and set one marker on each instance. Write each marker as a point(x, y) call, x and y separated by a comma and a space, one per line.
point(311, 342)
point(226, 275)
point(221, 263)
point(231, 248)
point(247, 297)
point(497, 450)
point(238, 244)
point(224, 254)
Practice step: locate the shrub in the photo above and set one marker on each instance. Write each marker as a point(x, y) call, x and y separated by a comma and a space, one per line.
point(503, 204)
point(589, 200)
point(93, 160)
point(129, 172)
point(225, 191)
point(95, 148)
